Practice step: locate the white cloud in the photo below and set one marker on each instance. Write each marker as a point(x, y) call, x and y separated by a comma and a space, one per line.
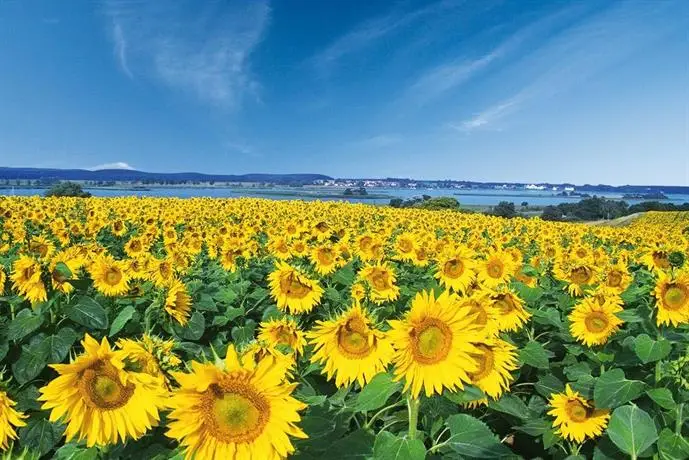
point(121, 49)
point(115, 165)
point(203, 50)
point(369, 31)
point(579, 53)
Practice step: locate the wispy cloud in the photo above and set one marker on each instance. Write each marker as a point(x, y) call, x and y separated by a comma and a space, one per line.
point(115, 165)
point(377, 142)
point(580, 52)
point(121, 49)
point(203, 50)
point(375, 29)
point(450, 75)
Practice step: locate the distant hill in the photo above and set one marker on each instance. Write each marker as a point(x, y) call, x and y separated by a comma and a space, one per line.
point(106, 175)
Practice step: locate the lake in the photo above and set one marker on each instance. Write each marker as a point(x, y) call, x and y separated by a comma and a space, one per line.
point(474, 197)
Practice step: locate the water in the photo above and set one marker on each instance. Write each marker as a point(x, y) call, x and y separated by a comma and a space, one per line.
point(475, 197)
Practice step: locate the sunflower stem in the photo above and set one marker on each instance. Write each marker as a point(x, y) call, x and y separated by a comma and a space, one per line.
point(678, 422)
point(413, 409)
point(375, 417)
point(657, 372)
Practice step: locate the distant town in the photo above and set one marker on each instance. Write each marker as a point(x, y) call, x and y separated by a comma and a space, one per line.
point(122, 178)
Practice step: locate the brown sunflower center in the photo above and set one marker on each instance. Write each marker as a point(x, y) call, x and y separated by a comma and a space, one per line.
point(353, 339)
point(101, 388)
point(326, 256)
point(596, 322)
point(405, 245)
point(113, 276)
point(365, 243)
point(495, 268)
point(292, 287)
point(135, 246)
point(661, 259)
point(581, 275)
point(485, 362)
point(453, 268)
point(380, 279)
point(576, 411)
point(431, 341)
point(676, 296)
point(614, 278)
point(504, 304)
point(235, 412)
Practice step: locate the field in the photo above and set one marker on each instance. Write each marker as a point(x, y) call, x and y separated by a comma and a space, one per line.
point(250, 328)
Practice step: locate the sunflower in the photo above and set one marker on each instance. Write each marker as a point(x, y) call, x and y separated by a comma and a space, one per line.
point(479, 305)
point(657, 260)
point(358, 292)
point(178, 302)
point(577, 276)
point(10, 419)
point(509, 311)
point(26, 279)
point(3, 278)
point(405, 247)
point(150, 355)
point(435, 344)
point(575, 417)
point(257, 350)
point(282, 332)
point(326, 259)
point(495, 269)
point(456, 269)
point(244, 410)
point(616, 277)
point(161, 272)
point(593, 322)
point(495, 359)
point(381, 278)
point(98, 400)
point(350, 347)
point(109, 276)
point(293, 291)
point(135, 247)
point(672, 298)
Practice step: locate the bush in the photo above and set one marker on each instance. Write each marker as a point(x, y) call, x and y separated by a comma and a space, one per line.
point(551, 213)
point(443, 202)
point(505, 209)
point(67, 189)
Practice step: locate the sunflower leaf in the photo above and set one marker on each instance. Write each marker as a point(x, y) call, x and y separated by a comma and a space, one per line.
point(376, 393)
point(672, 446)
point(471, 437)
point(121, 320)
point(391, 447)
point(649, 350)
point(89, 313)
point(535, 355)
point(632, 430)
point(614, 389)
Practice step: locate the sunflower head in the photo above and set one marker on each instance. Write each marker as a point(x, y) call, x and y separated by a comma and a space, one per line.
point(282, 333)
point(435, 344)
point(381, 280)
point(293, 291)
point(594, 320)
point(672, 298)
point(575, 417)
point(178, 302)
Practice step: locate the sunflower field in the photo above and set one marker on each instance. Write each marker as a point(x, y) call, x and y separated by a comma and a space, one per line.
point(244, 328)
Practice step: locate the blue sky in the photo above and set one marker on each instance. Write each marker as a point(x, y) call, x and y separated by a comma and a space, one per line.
point(511, 90)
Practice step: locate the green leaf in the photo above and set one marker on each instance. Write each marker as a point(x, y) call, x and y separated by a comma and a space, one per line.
point(512, 405)
point(31, 362)
point(649, 350)
point(58, 345)
point(194, 328)
point(535, 427)
point(471, 437)
point(121, 319)
point(73, 451)
point(89, 313)
point(358, 444)
point(391, 447)
point(630, 316)
point(63, 270)
point(672, 446)
point(244, 334)
point(345, 275)
point(632, 430)
point(662, 397)
point(205, 303)
point(535, 355)
point(469, 394)
point(577, 371)
point(234, 313)
point(24, 324)
point(613, 389)
point(549, 316)
point(40, 435)
point(375, 394)
point(548, 385)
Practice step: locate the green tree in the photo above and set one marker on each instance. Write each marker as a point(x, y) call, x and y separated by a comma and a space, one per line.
point(505, 209)
point(67, 189)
